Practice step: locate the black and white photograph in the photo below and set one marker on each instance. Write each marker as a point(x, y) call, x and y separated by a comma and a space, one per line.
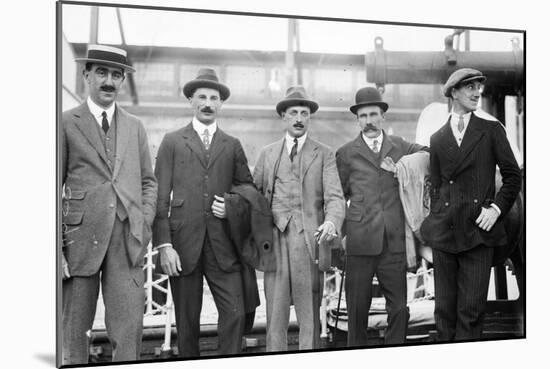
point(251, 186)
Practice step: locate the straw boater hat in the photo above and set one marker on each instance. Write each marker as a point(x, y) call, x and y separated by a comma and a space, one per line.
point(296, 96)
point(108, 55)
point(207, 78)
point(462, 76)
point(368, 96)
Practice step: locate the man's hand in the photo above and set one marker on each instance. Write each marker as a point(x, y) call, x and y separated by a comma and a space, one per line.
point(487, 219)
point(170, 261)
point(218, 207)
point(65, 267)
point(325, 232)
point(388, 164)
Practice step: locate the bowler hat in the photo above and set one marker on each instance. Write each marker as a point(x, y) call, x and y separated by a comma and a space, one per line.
point(462, 76)
point(206, 78)
point(368, 96)
point(109, 55)
point(296, 96)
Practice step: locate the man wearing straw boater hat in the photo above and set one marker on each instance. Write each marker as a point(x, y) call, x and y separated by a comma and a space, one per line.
point(109, 205)
point(298, 177)
point(374, 226)
point(465, 224)
point(195, 166)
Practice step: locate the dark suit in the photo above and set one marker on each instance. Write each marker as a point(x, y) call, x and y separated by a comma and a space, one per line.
point(193, 175)
point(375, 235)
point(109, 206)
point(463, 181)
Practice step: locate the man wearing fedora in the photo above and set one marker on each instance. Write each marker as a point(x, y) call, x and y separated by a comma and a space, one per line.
point(298, 176)
point(108, 207)
point(465, 222)
point(374, 226)
point(195, 166)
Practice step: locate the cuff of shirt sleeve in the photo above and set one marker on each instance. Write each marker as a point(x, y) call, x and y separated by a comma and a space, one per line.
point(163, 246)
point(495, 206)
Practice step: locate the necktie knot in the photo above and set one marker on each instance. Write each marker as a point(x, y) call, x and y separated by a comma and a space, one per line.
point(206, 139)
point(294, 149)
point(460, 123)
point(104, 122)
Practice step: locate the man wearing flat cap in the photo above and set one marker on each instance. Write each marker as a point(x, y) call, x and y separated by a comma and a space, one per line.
point(465, 222)
point(298, 177)
point(374, 226)
point(109, 204)
point(195, 166)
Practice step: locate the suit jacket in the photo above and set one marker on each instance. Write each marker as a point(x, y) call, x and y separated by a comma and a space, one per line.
point(321, 193)
point(375, 206)
point(463, 181)
point(191, 179)
point(92, 189)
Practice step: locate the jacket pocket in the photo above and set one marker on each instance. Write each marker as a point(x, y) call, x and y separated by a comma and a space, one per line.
point(74, 194)
point(73, 218)
point(354, 216)
point(176, 203)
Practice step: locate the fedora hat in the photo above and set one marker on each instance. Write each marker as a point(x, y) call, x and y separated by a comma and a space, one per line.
point(368, 96)
point(109, 55)
point(462, 76)
point(207, 78)
point(296, 96)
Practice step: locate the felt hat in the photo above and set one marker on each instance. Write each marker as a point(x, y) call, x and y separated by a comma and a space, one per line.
point(368, 96)
point(206, 78)
point(109, 55)
point(296, 96)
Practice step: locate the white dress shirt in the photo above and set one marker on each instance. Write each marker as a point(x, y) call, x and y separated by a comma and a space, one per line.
point(97, 111)
point(370, 141)
point(199, 127)
point(454, 126)
point(289, 140)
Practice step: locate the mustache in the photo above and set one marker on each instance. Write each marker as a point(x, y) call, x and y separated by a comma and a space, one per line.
point(370, 127)
point(207, 110)
point(298, 125)
point(107, 88)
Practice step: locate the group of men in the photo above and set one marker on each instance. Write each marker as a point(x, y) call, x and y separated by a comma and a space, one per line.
point(114, 204)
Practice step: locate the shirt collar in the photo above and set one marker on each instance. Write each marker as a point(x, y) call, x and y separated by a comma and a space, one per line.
point(290, 141)
point(369, 141)
point(199, 127)
point(455, 117)
point(97, 111)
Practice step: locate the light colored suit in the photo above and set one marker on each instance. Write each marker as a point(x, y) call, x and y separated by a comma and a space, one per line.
point(321, 200)
point(108, 210)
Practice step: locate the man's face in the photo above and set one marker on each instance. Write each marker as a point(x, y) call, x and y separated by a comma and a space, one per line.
point(104, 83)
point(466, 97)
point(296, 120)
point(206, 104)
point(370, 120)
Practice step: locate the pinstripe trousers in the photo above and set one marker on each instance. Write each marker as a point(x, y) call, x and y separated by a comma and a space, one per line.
point(461, 285)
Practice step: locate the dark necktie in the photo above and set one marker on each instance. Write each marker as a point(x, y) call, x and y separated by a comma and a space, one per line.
point(104, 123)
point(294, 149)
point(206, 139)
point(375, 147)
point(460, 124)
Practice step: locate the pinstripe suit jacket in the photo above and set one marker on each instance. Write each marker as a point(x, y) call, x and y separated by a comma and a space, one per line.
point(463, 181)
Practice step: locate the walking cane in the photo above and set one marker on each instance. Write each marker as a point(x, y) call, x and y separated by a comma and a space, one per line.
point(342, 276)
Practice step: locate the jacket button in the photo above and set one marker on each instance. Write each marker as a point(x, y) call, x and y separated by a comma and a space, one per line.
point(475, 201)
point(95, 242)
point(451, 182)
point(205, 195)
point(111, 205)
point(446, 204)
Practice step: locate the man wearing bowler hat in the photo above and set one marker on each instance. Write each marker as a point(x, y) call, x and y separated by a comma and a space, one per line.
point(374, 226)
point(195, 166)
point(298, 176)
point(465, 222)
point(108, 208)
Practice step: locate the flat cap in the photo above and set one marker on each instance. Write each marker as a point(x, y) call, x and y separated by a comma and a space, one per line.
point(462, 76)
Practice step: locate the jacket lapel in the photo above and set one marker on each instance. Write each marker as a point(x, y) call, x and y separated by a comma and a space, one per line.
point(448, 142)
point(192, 140)
point(387, 146)
point(218, 146)
point(122, 136)
point(274, 156)
point(86, 123)
point(309, 153)
point(473, 134)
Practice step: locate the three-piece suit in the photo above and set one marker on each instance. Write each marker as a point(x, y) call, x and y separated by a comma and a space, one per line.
point(108, 209)
point(463, 181)
point(303, 194)
point(375, 235)
point(189, 176)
